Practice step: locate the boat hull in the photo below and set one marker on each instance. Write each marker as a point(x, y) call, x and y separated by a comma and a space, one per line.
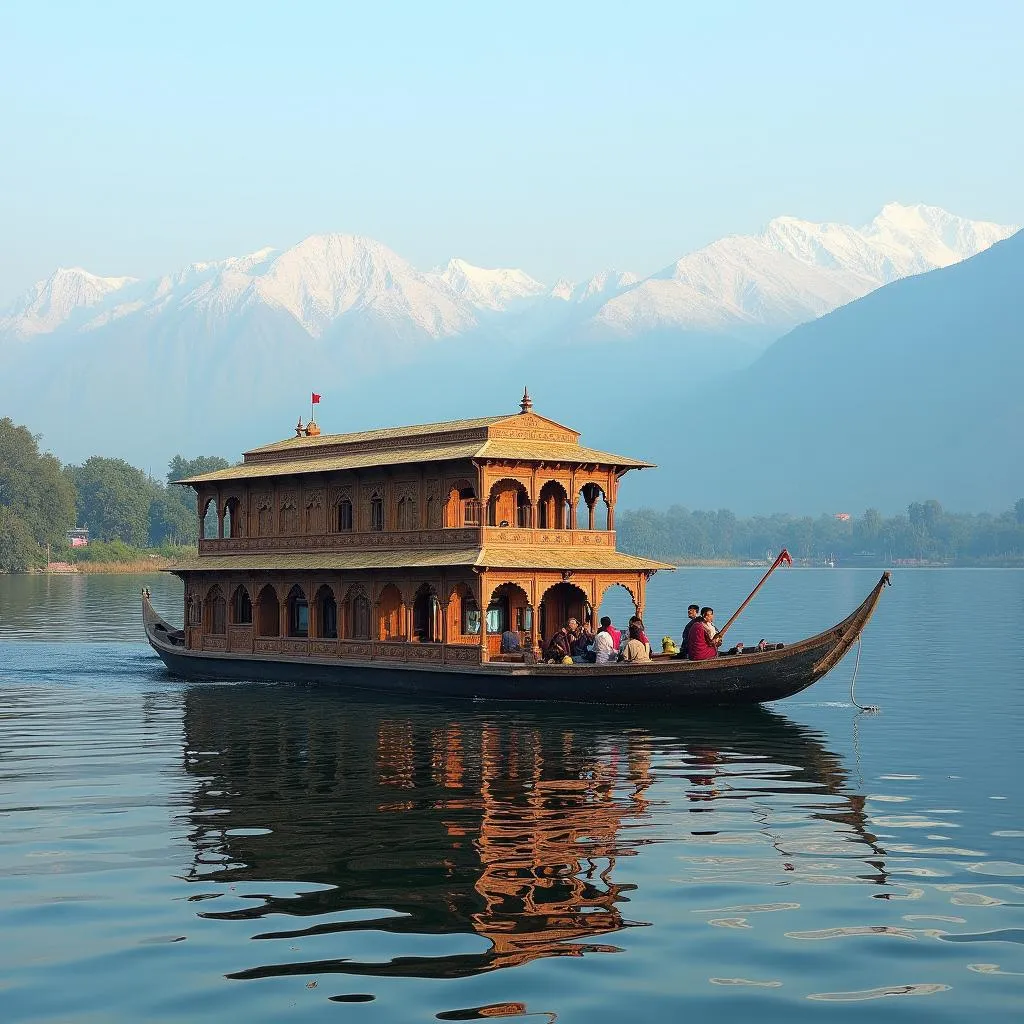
point(728, 680)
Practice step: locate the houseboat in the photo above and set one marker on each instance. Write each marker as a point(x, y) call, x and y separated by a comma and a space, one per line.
point(394, 560)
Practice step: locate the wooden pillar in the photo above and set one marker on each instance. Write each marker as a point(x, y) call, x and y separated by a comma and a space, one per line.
point(313, 629)
point(282, 609)
point(482, 602)
point(611, 517)
point(407, 624)
point(590, 513)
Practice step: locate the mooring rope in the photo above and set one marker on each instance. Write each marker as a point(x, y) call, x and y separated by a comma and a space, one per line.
point(853, 682)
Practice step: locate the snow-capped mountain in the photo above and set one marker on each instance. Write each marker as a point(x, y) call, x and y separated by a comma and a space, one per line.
point(795, 271)
point(63, 296)
point(359, 290)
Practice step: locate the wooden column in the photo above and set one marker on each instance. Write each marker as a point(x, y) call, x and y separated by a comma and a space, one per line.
point(482, 602)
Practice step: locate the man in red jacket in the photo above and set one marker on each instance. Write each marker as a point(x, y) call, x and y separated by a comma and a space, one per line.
point(700, 645)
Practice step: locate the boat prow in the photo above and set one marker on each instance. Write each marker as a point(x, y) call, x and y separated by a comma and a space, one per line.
point(748, 678)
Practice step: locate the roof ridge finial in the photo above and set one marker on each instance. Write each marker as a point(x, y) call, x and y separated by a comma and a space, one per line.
point(299, 428)
point(526, 405)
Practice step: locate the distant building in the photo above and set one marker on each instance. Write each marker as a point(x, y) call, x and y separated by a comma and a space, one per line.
point(78, 537)
point(843, 516)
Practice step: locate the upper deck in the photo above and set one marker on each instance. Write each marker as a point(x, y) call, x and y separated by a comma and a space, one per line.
point(500, 482)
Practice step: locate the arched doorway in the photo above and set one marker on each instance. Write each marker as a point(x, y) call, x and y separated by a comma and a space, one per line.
point(389, 614)
point(509, 609)
point(559, 603)
point(619, 604)
point(268, 613)
point(553, 507)
point(326, 612)
point(426, 616)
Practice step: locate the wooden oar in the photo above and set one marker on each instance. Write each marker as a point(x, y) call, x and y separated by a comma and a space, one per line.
point(783, 557)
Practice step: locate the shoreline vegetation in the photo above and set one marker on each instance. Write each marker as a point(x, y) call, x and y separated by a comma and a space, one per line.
point(137, 523)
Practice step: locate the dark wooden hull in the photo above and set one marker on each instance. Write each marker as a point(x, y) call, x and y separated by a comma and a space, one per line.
point(728, 680)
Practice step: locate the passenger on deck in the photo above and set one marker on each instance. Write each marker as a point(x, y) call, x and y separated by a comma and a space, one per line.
point(636, 649)
point(580, 639)
point(700, 642)
point(559, 646)
point(636, 620)
point(605, 649)
point(692, 616)
point(615, 634)
point(510, 642)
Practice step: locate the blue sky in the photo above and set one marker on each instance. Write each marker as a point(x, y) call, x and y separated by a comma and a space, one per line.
point(562, 138)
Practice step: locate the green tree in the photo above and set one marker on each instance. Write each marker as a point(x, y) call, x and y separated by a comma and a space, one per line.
point(181, 468)
point(174, 518)
point(37, 500)
point(115, 499)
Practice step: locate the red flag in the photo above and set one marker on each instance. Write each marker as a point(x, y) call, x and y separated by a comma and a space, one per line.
point(316, 398)
point(785, 558)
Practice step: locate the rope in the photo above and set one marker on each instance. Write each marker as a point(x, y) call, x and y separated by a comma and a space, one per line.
point(853, 683)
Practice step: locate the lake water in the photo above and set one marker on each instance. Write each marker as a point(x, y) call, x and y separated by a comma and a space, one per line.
point(180, 852)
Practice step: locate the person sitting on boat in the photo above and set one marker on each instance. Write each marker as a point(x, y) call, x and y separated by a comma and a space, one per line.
point(605, 648)
point(580, 639)
point(692, 616)
point(559, 646)
point(637, 621)
point(636, 649)
point(701, 642)
point(615, 634)
point(510, 642)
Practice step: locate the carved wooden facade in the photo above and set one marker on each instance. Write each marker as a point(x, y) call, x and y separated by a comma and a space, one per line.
point(414, 545)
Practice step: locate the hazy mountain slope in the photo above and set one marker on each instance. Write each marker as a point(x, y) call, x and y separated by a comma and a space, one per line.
point(911, 392)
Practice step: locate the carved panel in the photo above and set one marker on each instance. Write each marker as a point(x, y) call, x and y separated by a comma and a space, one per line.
point(424, 652)
point(463, 655)
point(391, 652)
point(266, 646)
point(215, 643)
point(323, 648)
point(349, 649)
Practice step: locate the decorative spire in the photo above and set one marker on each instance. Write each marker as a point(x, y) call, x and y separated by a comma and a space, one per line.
point(526, 405)
point(299, 428)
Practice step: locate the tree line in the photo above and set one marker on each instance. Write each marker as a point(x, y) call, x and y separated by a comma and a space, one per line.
point(926, 533)
point(41, 500)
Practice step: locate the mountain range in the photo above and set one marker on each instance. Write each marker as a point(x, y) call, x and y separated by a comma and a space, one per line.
point(216, 357)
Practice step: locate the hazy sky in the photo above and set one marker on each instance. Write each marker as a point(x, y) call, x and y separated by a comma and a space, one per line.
point(561, 138)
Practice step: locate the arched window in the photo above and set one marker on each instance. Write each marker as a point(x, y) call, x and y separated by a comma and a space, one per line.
point(591, 511)
point(241, 607)
point(208, 520)
point(509, 505)
point(215, 613)
point(314, 514)
point(406, 518)
point(426, 615)
point(377, 513)
point(360, 618)
point(298, 612)
point(469, 620)
point(553, 507)
point(343, 516)
point(195, 612)
point(389, 614)
point(326, 613)
point(289, 518)
point(268, 613)
point(233, 518)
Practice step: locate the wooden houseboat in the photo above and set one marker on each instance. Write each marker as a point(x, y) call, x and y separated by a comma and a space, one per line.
point(393, 560)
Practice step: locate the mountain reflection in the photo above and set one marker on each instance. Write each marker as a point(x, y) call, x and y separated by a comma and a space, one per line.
point(502, 836)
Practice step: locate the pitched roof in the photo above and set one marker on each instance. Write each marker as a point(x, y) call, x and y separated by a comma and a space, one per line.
point(422, 558)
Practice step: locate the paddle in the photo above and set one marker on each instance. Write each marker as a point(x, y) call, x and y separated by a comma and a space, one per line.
point(783, 557)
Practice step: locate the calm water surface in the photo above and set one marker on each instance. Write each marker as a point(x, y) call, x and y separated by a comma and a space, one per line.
point(183, 852)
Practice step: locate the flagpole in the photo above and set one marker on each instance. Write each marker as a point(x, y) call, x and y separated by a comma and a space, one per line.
point(784, 556)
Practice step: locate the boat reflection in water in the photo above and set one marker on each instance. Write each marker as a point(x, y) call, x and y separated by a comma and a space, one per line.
point(492, 839)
